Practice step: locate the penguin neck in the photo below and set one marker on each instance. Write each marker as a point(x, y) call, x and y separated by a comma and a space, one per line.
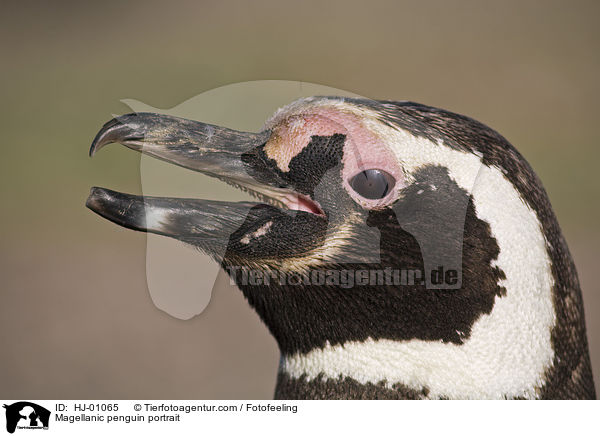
point(342, 388)
point(370, 369)
point(396, 369)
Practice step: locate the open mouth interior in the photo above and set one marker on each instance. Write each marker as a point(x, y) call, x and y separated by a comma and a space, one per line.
point(283, 199)
point(305, 204)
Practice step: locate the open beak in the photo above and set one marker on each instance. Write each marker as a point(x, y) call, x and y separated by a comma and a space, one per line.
point(213, 150)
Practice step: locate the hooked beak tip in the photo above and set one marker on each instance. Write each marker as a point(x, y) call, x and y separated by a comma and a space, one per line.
point(116, 130)
point(103, 137)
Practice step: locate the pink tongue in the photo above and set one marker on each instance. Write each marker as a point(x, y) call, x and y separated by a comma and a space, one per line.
point(308, 206)
point(304, 204)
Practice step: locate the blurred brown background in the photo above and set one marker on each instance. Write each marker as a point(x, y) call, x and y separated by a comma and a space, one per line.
point(76, 320)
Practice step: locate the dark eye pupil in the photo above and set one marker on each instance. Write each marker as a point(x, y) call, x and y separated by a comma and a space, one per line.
point(372, 184)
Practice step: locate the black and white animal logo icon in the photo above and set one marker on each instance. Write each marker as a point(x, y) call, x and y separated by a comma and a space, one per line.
point(26, 415)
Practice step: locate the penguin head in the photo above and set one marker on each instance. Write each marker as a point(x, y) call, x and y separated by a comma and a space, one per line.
point(391, 242)
point(318, 172)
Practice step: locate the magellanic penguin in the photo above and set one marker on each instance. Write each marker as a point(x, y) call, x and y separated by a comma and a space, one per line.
point(372, 190)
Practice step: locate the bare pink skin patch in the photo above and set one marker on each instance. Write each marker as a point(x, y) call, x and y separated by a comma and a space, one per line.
point(294, 133)
point(363, 149)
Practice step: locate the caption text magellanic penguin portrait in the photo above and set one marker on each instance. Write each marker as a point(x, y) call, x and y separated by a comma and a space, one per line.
point(393, 250)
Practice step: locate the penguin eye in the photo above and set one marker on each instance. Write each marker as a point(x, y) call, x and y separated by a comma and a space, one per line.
point(372, 184)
